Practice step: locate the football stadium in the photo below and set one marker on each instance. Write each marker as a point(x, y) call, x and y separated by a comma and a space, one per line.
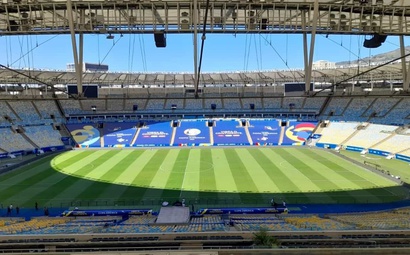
point(296, 161)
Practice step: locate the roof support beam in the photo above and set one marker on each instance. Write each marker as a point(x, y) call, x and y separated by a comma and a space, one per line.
point(78, 66)
point(308, 72)
point(195, 23)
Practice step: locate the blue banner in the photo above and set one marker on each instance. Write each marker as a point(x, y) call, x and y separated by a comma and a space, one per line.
point(264, 132)
point(192, 133)
point(53, 148)
point(326, 145)
point(402, 157)
point(298, 132)
point(119, 134)
point(229, 132)
point(245, 210)
point(85, 135)
point(154, 134)
point(354, 148)
point(123, 212)
point(378, 152)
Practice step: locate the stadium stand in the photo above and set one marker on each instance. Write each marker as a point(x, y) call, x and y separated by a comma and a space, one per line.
point(336, 107)
point(337, 132)
point(246, 102)
point(26, 112)
point(44, 136)
point(72, 106)
point(193, 104)
point(47, 109)
point(356, 109)
point(395, 144)
point(155, 104)
point(11, 141)
point(232, 103)
point(272, 103)
point(5, 111)
point(115, 105)
point(129, 104)
point(399, 114)
point(370, 135)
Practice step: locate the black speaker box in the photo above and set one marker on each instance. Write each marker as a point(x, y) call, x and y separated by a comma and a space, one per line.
point(160, 39)
point(213, 106)
point(252, 106)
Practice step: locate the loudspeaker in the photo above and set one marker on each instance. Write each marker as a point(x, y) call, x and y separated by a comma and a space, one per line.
point(100, 125)
point(52, 116)
point(243, 123)
point(375, 41)
point(283, 123)
point(210, 123)
point(264, 24)
point(93, 108)
point(160, 39)
point(331, 113)
point(175, 123)
point(213, 106)
point(252, 106)
point(173, 107)
point(135, 107)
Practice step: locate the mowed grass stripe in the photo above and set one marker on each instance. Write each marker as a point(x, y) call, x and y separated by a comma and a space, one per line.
point(317, 178)
point(243, 180)
point(174, 182)
point(288, 174)
point(367, 189)
point(47, 197)
point(27, 196)
point(21, 173)
point(68, 158)
point(275, 174)
point(25, 184)
point(110, 165)
point(190, 183)
point(95, 161)
point(94, 191)
point(223, 176)
point(96, 164)
point(164, 171)
point(325, 169)
point(257, 173)
point(350, 171)
point(146, 173)
point(353, 189)
point(207, 177)
point(114, 191)
point(127, 176)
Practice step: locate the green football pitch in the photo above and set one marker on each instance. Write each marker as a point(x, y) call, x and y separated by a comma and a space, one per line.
point(203, 176)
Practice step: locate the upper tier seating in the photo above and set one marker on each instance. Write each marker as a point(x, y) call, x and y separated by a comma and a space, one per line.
point(314, 103)
point(26, 112)
point(46, 108)
point(357, 108)
point(6, 111)
point(337, 105)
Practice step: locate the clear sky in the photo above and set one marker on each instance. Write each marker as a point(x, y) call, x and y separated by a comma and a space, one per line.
point(222, 52)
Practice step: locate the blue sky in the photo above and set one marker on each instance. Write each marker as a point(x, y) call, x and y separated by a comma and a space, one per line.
point(222, 52)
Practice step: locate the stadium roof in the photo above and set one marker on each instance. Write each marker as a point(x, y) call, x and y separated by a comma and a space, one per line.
point(387, 72)
point(390, 17)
